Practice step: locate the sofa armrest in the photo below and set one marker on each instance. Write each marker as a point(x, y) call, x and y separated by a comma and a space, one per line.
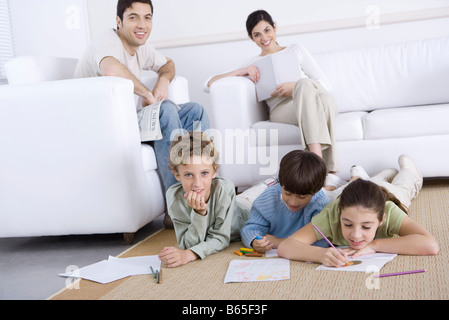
point(178, 90)
point(234, 104)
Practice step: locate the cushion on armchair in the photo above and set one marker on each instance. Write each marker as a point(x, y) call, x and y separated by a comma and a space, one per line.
point(33, 69)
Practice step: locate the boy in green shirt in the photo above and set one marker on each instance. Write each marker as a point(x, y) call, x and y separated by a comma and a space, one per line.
point(202, 206)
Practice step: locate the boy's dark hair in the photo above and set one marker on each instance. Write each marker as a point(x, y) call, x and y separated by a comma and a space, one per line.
point(302, 172)
point(122, 5)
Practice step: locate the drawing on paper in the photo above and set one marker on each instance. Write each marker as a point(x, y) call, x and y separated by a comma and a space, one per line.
point(364, 263)
point(258, 270)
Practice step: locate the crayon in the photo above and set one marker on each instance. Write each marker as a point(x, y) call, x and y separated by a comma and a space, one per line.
point(254, 254)
point(246, 250)
point(238, 253)
point(258, 238)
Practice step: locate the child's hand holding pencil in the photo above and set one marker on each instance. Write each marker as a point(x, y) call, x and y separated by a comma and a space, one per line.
point(332, 257)
point(262, 244)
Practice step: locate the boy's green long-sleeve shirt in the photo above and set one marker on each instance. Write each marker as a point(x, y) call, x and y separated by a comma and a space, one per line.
point(208, 234)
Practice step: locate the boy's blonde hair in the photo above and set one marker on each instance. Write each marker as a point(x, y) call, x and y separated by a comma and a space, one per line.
point(186, 146)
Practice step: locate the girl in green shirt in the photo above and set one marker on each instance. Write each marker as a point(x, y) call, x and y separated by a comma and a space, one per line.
point(366, 218)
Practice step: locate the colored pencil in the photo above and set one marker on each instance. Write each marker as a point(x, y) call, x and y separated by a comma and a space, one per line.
point(326, 239)
point(399, 273)
point(152, 271)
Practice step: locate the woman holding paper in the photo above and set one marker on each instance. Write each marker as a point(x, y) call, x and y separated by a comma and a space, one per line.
point(305, 102)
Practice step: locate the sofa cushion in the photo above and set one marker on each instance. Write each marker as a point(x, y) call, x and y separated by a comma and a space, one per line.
point(286, 133)
point(418, 121)
point(148, 158)
point(390, 76)
point(348, 127)
point(33, 69)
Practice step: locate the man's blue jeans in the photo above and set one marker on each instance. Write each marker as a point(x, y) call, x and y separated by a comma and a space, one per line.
point(190, 117)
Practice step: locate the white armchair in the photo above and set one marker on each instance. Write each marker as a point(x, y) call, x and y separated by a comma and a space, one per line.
point(72, 161)
point(234, 109)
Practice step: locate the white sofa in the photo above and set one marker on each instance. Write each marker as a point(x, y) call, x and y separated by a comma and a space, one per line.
point(71, 157)
point(392, 99)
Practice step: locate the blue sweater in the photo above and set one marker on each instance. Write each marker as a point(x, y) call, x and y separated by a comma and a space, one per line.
point(269, 215)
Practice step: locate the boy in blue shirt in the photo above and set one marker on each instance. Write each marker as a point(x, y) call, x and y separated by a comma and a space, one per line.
point(289, 205)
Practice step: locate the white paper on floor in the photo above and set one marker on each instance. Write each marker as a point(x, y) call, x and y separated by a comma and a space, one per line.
point(116, 268)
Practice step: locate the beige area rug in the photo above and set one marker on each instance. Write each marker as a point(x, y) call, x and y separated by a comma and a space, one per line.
point(204, 280)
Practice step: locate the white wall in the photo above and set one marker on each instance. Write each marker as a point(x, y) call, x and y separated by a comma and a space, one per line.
point(180, 19)
point(50, 27)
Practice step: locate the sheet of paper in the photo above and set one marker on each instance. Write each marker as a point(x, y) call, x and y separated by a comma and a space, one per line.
point(371, 263)
point(140, 265)
point(273, 253)
point(116, 268)
point(267, 82)
point(276, 69)
point(258, 270)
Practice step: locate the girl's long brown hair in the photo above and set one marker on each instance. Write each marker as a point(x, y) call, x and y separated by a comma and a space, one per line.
point(369, 195)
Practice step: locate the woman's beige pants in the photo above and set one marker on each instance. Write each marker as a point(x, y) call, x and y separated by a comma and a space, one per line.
point(313, 110)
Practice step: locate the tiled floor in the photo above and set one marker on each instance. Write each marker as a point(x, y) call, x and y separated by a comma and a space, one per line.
point(29, 267)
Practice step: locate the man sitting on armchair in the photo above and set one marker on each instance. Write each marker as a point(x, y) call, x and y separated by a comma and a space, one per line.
point(125, 52)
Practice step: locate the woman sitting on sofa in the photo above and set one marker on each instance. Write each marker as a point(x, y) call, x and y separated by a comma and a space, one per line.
point(305, 103)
